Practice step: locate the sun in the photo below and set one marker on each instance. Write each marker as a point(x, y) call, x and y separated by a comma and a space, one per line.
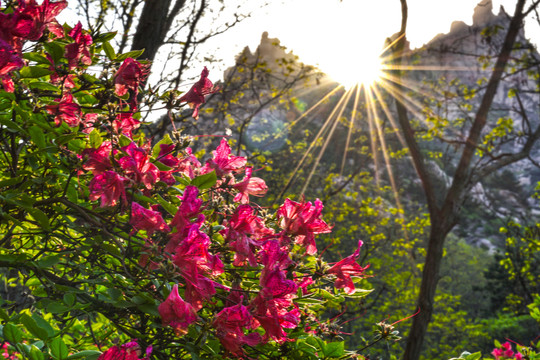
point(355, 70)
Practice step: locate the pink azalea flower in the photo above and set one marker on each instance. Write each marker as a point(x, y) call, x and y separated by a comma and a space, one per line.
point(129, 76)
point(5, 352)
point(98, 160)
point(33, 19)
point(148, 220)
point(129, 351)
point(346, 268)
point(275, 315)
point(272, 306)
point(188, 164)
point(304, 283)
point(9, 61)
point(80, 48)
point(275, 284)
point(195, 96)
point(138, 167)
point(188, 209)
point(192, 254)
point(89, 122)
point(200, 289)
point(273, 256)
point(8, 31)
point(67, 81)
point(65, 110)
point(230, 324)
point(165, 155)
point(174, 311)
point(223, 162)
point(249, 186)
point(244, 233)
point(109, 187)
point(194, 262)
point(497, 353)
point(125, 124)
point(303, 220)
point(166, 158)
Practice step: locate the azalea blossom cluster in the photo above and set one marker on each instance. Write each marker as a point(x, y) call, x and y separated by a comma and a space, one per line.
point(206, 263)
point(6, 353)
point(127, 351)
point(220, 265)
point(505, 352)
point(28, 22)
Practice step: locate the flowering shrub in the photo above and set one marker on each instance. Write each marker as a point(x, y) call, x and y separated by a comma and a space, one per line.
point(132, 248)
point(504, 352)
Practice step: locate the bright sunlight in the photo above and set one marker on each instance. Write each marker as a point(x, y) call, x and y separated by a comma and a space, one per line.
point(363, 70)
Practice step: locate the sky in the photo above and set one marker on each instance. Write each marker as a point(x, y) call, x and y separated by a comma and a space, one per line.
point(336, 35)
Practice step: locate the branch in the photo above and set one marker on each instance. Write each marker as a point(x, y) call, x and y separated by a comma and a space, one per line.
point(462, 174)
point(408, 132)
point(188, 42)
point(509, 159)
point(178, 5)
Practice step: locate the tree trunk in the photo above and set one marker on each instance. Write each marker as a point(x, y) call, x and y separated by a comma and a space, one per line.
point(430, 277)
point(152, 28)
point(443, 218)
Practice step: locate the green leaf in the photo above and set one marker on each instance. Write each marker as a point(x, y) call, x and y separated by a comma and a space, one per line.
point(11, 125)
point(55, 50)
point(85, 98)
point(95, 139)
point(86, 354)
point(4, 315)
point(44, 324)
point(109, 51)
point(143, 199)
point(124, 140)
point(170, 208)
point(59, 350)
point(36, 354)
point(12, 333)
point(48, 261)
point(37, 135)
point(36, 57)
point(138, 300)
point(184, 180)
point(69, 299)
point(31, 325)
point(104, 37)
point(9, 182)
point(359, 293)
point(112, 249)
point(157, 148)
point(131, 54)
point(162, 166)
point(43, 85)
point(34, 72)
point(474, 356)
point(40, 217)
point(334, 349)
point(205, 181)
point(151, 309)
point(308, 300)
point(57, 308)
